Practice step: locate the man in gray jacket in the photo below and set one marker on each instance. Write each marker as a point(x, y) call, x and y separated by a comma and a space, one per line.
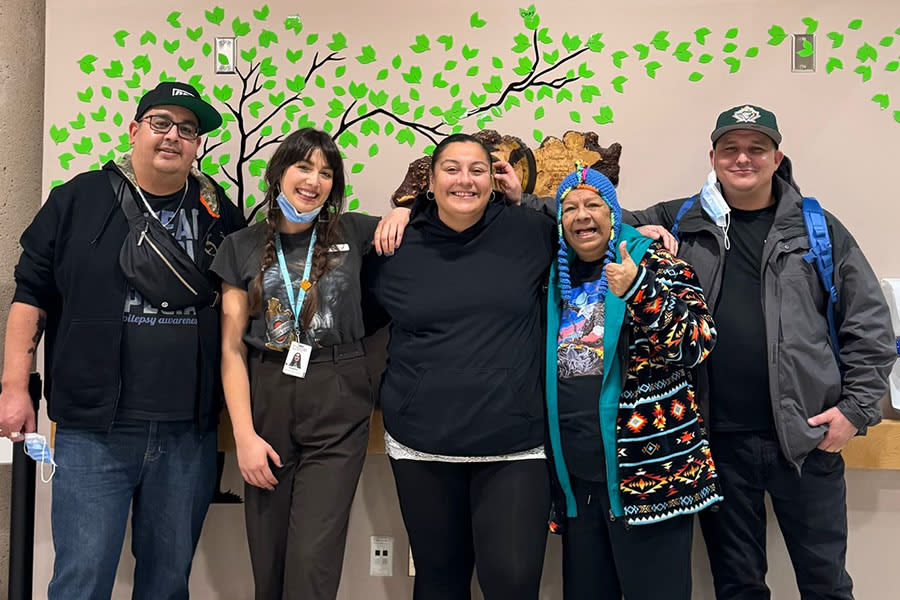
point(779, 405)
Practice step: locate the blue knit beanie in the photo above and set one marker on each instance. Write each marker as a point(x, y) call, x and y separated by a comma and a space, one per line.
point(589, 179)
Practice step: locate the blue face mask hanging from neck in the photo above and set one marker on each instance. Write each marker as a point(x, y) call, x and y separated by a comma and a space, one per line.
point(290, 213)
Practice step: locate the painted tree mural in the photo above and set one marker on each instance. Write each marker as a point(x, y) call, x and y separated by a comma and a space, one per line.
point(288, 78)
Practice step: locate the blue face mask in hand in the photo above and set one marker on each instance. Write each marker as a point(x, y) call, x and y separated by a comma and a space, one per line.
point(290, 213)
point(39, 450)
point(714, 204)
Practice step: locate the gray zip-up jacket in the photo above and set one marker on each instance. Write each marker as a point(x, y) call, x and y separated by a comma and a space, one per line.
point(804, 378)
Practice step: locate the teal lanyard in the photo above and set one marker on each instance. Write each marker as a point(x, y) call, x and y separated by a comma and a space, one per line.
point(296, 303)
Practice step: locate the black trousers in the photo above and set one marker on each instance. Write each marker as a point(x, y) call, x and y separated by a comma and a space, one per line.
point(811, 509)
point(604, 558)
point(319, 426)
point(490, 515)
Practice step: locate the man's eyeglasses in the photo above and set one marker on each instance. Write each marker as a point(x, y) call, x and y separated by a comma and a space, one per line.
point(162, 124)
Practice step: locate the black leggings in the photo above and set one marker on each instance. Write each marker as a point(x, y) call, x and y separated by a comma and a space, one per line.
point(489, 515)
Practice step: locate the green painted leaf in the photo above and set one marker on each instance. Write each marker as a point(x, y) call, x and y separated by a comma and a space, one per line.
point(752, 52)
point(172, 19)
point(124, 143)
point(263, 13)
point(571, 42)
point(472, 71)
point(319, 81)
point(892, 66)
point(806, 49)
point(897, 115)
point(224, 159)
point(348, 138)
point(367, 56)
point(833, 63)
point(837, 39)
point(207, 49)
point(118, 119)
point(398, 106)
point(65, 158)
point(776, 35)
point(208, 166)
point(604, 116)
point(867, 52)
point(730, 47)
point(414, 75)
point(538, 135)
point(811, 24)
point(618, 83)
point(86, 63)
point(85, 146)
point(446, 40)
point(511, 101)
point(293, 23)
point(293, 55)
point(114, 69)
point(705, 58)
point(496, 62)
point(545, 91)
point(422, 44)
point(120, 36)
point(338, 42)
point(731, 33)
point(396, 61)
point(865, 71)
point(148, 37)
point(883, 100)
point(494, 85)
point(369, 126)
point(584, 72)
point(551, 57)
point(594, 43)
point(58, 134)
point(354, 203)
point(733, 63)
point(477, 99)
point(373, 149)
point(99, 115)
point(886, 42)
point(240, 28)
point(651, 68)
point(295, 84)
point(134, 82)
point(356, 168)
point(86, 95)
point(141, 63)
point(476, 22)
point(855, 24)
point(171, 46)
point(588, 92)
point(312, 39)
point(194, 34)
point(405, 136)
point(469, 53)
point(523, 43)
point(106, 91)
point(695, 76)
point(618, 56)
point(682, 53)
point(575, 116)
point(223, 94)
point(700, 35)
point(643, 50)
point(660, 41)
point(111, 155)
point(216, 15)
point(223, 59)
point(185, 63)
point(104, 137)
point(123, 95)
point(454, 90)
point(267, 68)
point(378, 99)
point(267, 38)
point(438, 81)
point(544, 36)
point(254, 107)
point(339, 71)
point(483, 120)
point(530, 17)
point(358, 90)
point(538, 113)
point(524, 66)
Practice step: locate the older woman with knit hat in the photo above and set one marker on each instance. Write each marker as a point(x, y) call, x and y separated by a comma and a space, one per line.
point(626, 321)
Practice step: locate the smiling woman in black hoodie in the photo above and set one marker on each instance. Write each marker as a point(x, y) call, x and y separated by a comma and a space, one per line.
point(462, 395)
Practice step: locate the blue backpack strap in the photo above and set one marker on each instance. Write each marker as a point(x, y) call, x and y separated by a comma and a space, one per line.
point(820, 255)
point(685, 206)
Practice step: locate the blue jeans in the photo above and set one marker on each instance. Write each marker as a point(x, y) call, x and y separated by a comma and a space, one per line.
point(166, 473)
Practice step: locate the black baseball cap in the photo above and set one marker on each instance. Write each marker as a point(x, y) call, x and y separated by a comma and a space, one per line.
point(181, 94)
point(747, 116)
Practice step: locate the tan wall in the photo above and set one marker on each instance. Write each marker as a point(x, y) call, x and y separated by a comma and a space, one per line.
point(21, 120)
point(844, 149)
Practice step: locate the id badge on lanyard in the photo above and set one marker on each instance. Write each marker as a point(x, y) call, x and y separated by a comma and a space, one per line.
point(297, 359)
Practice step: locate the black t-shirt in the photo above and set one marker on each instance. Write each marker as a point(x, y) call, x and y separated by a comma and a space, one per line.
point(159, 347)
point(580, 379)
point(338, 318)
point(738, 369)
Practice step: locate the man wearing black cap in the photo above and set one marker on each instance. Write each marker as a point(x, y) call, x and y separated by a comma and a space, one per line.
point(133, 388)
point(780, 403)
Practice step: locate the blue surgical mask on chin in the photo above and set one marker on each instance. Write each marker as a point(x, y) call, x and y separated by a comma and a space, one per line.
point(39, 450)
point(290, 213)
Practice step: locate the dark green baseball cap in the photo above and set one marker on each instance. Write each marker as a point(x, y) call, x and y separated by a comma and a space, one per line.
point(181, 94)
point(747, 116)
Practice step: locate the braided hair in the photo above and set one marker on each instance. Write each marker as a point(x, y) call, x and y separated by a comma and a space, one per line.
point(586, 178)
point(301, 145)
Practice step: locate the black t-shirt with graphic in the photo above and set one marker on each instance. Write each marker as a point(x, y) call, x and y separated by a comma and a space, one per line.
point(738, 369)
point(159, 347)
point(339, 316)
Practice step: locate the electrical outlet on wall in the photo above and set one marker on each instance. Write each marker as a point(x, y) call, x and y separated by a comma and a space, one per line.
point(803, 57)
point(381, 556)
point(225, 55)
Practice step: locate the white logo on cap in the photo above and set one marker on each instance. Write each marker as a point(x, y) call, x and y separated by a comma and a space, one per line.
point(748, 114)
point(177, 92)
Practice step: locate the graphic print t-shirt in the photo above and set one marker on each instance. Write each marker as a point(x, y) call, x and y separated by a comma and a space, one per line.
point(579, 358)
point(159, 347)
point(338, 318)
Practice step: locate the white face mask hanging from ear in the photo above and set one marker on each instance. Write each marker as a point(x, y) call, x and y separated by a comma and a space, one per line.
point(714, 204)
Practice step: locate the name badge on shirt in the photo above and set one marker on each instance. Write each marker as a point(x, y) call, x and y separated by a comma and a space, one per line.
point(297, 360)
point(340, 248)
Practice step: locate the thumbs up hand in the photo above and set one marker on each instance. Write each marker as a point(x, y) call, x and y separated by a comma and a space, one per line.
point(621, 276)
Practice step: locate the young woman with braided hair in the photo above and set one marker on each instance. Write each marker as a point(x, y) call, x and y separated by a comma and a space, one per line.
point(291, 286)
